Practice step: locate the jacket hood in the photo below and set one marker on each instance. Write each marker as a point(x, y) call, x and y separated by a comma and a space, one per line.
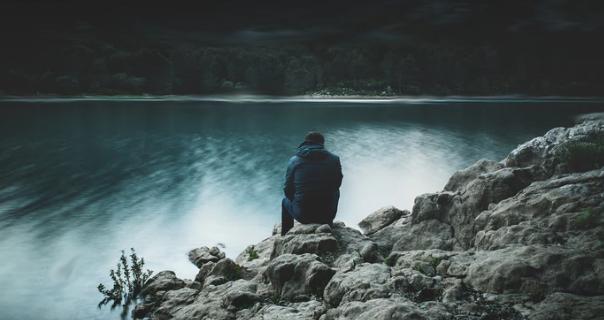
point(311, 151)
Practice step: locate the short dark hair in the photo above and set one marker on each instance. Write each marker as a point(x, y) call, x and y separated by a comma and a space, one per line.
point(314, 137)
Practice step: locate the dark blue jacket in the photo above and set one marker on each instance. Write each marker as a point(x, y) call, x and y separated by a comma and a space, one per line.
point(312, 184)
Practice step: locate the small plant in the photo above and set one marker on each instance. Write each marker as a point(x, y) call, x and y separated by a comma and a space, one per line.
point(584, 155)
point(128, 280)
point(588, 218)
point(434, 261)
point(275, 298)
point(252, 253)
point(391, 260)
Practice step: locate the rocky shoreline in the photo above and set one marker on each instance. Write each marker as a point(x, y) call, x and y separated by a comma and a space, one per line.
point(522, 238)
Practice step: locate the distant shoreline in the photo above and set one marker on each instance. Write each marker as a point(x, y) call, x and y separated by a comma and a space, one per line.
point(305, 98)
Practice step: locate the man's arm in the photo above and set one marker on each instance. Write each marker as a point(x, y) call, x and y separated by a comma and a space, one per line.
point(339, 174)
point(289, 187)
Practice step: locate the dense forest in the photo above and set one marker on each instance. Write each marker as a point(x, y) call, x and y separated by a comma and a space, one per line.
point(81, 55)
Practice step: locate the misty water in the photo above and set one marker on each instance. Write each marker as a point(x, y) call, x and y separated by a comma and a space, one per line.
point(82, 180)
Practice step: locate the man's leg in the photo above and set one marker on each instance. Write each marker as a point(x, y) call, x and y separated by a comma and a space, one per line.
point(287, 221)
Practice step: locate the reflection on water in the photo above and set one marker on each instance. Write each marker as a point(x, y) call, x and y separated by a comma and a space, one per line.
point(81, 181)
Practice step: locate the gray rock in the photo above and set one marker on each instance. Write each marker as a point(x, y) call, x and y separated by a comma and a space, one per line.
point(323, 229)
point(309, 310)
point(213, 302)
point(387, 236)
point(387, 309)
point(429, 234)
point(256, 257)
point(544, 151)
point(454, 291)
point(460, 209)
point(347, 261)
point(276, 229)
point(240, 299)
point(564, 210)
point(425, 261)
point(566, 306)
point(596, 116)
point(303, 228)
point(298, 243)
point(380, 219)
point(349, 240)
point(415, 285)
point(366, 282)
point(462, 177)
point(536, 270)
point(203, 255)
point(162, 281)
point(370, 253)
point(218, 273)
point(458, 264)
point(297, 277)
point(173, 300)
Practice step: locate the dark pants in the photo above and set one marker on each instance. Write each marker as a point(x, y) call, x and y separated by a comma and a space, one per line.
point(289, 213)
point(287, 221)
point(287, 218)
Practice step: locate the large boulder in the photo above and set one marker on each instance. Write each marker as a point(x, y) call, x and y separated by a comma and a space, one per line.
point(298, 277)
point(459, 209)
point(566, 210)
point(366, 282)
point(537, 270)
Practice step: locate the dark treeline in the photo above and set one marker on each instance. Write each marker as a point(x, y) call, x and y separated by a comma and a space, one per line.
point(440, 68)
point(131, 56)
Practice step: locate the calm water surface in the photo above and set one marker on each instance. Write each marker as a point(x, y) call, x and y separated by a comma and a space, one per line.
point(79, 181)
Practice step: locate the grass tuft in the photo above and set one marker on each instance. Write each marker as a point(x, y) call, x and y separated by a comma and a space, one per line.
point(252, 253)
point(584, 155)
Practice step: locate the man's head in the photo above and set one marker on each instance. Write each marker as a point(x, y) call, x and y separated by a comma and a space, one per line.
point(314, 137)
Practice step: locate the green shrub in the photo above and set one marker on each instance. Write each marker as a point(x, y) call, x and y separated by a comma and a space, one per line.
point(128, 280)
point(584, 155)
point(252, 253)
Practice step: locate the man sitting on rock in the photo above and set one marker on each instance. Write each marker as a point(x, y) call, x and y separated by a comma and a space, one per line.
point(312, 184)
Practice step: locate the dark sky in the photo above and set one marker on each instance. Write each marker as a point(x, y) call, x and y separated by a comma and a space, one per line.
point(372, 18)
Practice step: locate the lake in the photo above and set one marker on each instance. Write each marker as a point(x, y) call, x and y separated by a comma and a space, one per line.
point(81, 180)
